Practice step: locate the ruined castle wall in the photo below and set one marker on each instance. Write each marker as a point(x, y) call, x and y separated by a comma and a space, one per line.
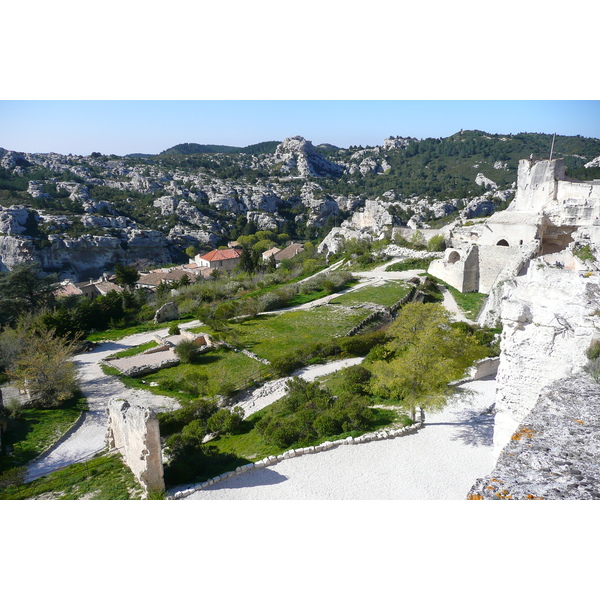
point(492, 261)
point(537, 184)
point(460, 273)
point(134, 431)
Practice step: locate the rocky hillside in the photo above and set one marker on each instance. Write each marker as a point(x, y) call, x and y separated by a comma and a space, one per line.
point(78, 215)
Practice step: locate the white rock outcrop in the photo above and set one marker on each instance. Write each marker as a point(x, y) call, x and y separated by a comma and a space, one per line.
point(549, 318)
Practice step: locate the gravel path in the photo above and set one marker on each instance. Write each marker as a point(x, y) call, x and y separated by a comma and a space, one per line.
point(271, 391)
point(89, 437)
point(439, 462)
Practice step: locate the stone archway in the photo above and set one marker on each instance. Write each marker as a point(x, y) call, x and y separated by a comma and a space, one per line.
point(502, 242)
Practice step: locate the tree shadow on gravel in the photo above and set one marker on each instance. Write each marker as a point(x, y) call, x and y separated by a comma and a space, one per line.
point(476, 430)
point(256, 478)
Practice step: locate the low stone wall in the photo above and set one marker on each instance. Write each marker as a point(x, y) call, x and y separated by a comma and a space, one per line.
point(384, 313)
point(134, 431)
point(383, 434)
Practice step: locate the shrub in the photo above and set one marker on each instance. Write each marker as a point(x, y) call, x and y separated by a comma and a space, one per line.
point(593, 368)
point(436, 244)
point(326, 424)
point(287, 364)
point(174, 330)
point(226, 422)
point(186, 351)
point(356, 379)
point(593, 352)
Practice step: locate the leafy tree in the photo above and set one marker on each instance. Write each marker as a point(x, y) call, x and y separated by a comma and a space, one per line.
point(45, 369)
point(126, 275)
point(191, 251)
point(24, 290)
point(424, 355)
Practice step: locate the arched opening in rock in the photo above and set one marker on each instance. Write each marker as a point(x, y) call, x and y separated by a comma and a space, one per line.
point(502, 243)
point(453, 257)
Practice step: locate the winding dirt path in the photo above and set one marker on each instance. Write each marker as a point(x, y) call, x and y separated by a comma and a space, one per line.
point(88, 438)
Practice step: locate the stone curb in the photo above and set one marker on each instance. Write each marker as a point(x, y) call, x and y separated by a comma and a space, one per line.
point(272, 460)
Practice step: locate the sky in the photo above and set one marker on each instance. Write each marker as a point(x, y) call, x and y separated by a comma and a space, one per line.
point(122, 127)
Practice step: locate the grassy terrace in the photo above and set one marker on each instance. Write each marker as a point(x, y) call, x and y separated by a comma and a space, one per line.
point(37, 429)
point(387, 294)
point(269, 336)
point(250, 446)
point(118, 334)
point(102, 478)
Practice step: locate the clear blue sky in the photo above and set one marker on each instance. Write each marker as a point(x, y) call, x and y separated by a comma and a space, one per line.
point(150, 126)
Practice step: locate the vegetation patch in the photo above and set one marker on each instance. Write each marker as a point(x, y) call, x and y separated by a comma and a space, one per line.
point(102, 478)
point(35, 429)
point(410, 264)
point(136, 350)
point(385, 295)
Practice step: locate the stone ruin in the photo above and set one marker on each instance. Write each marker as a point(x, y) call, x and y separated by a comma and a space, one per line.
point(550, 216)
point(134, 431)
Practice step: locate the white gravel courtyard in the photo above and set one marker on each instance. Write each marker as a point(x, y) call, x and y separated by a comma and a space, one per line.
point(439, 462)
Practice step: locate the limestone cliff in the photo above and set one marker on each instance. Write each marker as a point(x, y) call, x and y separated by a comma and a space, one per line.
point(549, 317)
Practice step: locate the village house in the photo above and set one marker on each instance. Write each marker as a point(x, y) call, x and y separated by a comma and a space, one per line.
point(288, 252)
point(219, 259)
point(268, 253)
point(90, 289)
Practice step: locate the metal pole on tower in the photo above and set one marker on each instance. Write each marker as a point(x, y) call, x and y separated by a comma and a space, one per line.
point(552, 147)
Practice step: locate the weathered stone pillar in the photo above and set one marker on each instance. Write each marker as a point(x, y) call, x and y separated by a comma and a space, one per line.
point(134, 431)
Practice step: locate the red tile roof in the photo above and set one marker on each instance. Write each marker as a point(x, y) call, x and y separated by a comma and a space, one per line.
point(221, 254)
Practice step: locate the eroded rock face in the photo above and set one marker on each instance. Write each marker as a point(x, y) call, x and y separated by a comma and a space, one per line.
point(296, 153)
point(13, 220)
point(555, 452)
point(549, 318)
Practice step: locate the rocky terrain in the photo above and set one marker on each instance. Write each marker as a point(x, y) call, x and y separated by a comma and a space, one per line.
point(555, 452)
point(78, 215)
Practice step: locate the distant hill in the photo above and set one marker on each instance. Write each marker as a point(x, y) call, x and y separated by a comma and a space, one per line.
point(190, 148)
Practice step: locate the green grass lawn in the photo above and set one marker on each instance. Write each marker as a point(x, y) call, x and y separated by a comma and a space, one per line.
point(470, 303)
point(270, 336)
point(214, 372)
point(117, 334)
point(36, 430)
point(136, 349)
point(102, 478)
point(386, 295)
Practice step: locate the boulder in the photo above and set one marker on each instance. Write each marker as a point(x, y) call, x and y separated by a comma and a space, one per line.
point(167, 312)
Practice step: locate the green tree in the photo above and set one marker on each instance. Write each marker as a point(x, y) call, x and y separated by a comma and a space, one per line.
point(191, 251)
point(44, 368)
point(126, 275)
point(23, 290)
point(424, 355)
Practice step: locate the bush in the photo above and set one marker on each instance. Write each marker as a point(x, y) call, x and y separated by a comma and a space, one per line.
point(226, 422)
point(593, 352)
point(356, 378)
point(436, 244)
point(287, 364)
point(186, 351)
point(174, 330)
